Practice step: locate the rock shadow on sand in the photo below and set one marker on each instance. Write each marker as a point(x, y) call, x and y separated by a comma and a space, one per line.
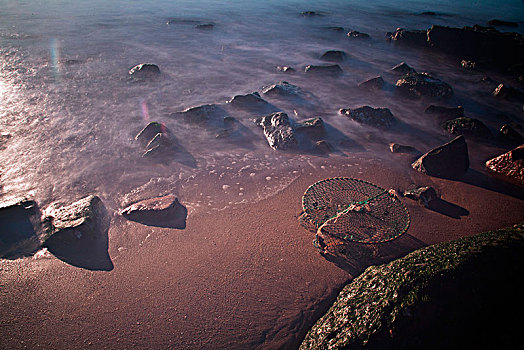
point(447, 208)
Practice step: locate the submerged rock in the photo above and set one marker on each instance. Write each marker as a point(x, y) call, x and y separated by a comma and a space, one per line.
point(424, 195)
point(377, 117)
point(334, 55)
point(403, 68)
point(376, 83)
point(508, 135)
point(450, 160)
point(313, 126)
point(286, 69)
point(278, 131)
point(156, 139)
point(450, 295)
point(410, 37)
point(499, 23)
point(282, 89)
point(509, 166)
point(311, 14)
point(248, 100)
point(333, 69)
point(509, 93)
point(445, 112)
point(467, 126)
point(422, 84)
point(398, 148)
point(205, 26)
point(201, 114)
point(86, 219)
point(358, 35)
point(144, 71)
point(161, 211)
point(19, 228)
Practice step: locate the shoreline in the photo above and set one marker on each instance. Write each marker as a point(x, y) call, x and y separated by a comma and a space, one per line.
point(244, 277)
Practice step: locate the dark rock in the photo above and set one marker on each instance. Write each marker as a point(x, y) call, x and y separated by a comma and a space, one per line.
point(19, 228)
point(156, 139)
point(410, 37)
point(4, 137)
point(467, 126)
point(278, 131)
point(205, 26)
point(423, 195)
point(509, 166)
point(248, 100)
point(161, 211)
point(509, 135)
point(285, 69)
point(377, 117)
point(403, 68)
point(336, 29)
point(376, 83)
point(422, 84)
point(86, 219)
point(334, 55)
point(462, 289)
point(445, 112)
point(499, 23)
point(358, 35)
point(477, 43)
point(428, 13)
point(201, 114)
point(314, 126)
point(229, 120)
point(333, 69)
point(149, 132)
point(450, 160)
point(311, 14)
point(282, 89)
point(509, 93)
point(324, 146)
point(144, 71)
point(468, 64)
point(398, 148)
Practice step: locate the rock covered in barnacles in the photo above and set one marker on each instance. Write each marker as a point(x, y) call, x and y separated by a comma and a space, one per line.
point(467, 126)
point(377, 117)
point(509, 166)
point(278, 131)
point(422, 84)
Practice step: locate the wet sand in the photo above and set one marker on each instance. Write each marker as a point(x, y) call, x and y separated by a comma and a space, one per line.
point(246, 277)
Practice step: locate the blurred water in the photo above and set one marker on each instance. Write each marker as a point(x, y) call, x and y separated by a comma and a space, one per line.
point(73, 115)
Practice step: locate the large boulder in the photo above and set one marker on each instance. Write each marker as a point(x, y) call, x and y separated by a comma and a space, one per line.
point(422, 84)
point(278, 131)
point(377, 117)
point(453, 295)
point(86, 218)
point(450, 160)
point(19, 228)
point(144, 71)
point(509, 166)
point(163, 211)
point(467, 126)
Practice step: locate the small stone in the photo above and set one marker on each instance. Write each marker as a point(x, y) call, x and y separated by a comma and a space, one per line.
point(278, 131)
point(200, 114)
point(333, 69)
point(377, 117)
point(149, 132)
point(398, 148)
point(358, 35)
point(403, 68)
point(468, 64)
point(313, 126)
point(205, 26)
point(507, 134)
point(286, 69)
point(248, 100)
point(282, 89)
point(376, 83)
point(144, 71)
point(509, 93)
point(423, 195)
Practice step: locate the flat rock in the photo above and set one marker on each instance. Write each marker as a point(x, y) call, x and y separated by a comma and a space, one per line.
point(509, 166)
point(278, 131)
point(375, 83)
point(467, 126)
point(450, 160)
point(333, 69)
point(377, 117)
point(163, 211)
point(282, 89)
point(144, 71)
point(19, 228)
point(334, 56)
point(86, 218)
point(403, 68)
point(358, 35)
point(422, 84)
point(445, 112)
point(508, 135)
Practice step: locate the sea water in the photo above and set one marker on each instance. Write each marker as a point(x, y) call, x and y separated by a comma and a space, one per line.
point(71, 113)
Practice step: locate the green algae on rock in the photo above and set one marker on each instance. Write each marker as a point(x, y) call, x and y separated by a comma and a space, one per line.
point(459, 293)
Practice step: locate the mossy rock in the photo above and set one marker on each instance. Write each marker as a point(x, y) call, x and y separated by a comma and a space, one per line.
point(460, 294)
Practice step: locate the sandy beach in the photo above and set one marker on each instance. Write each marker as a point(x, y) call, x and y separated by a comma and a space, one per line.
point(244, 278)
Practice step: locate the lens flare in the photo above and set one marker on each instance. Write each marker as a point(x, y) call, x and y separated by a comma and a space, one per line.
point(55, 58)
point(145, 111)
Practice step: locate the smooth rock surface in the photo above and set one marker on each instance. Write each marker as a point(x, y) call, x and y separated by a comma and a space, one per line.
point(451, 160)
point(334, 56)
point(375, 83)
